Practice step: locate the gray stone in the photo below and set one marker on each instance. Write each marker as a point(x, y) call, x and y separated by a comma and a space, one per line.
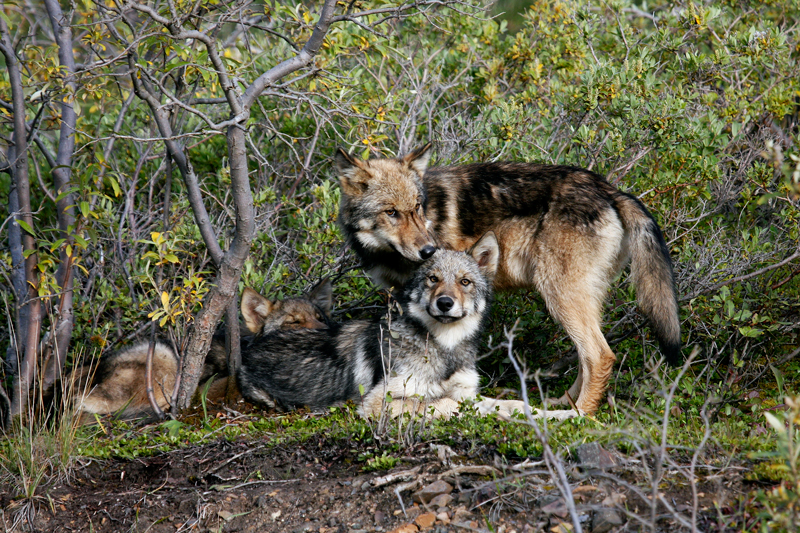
point(605, 520)
point(442, 500)
point(557, 507)
point(429, 492)
point(592, 456)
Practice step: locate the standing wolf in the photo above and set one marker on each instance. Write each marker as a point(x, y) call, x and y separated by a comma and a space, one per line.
point(564, 230)
point(424, 357)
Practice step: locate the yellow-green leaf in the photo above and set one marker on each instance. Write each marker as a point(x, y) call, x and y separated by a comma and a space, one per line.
point(165, 300)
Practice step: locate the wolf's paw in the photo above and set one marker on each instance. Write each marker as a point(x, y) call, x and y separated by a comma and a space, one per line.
point(504, 409)
point(558, 414)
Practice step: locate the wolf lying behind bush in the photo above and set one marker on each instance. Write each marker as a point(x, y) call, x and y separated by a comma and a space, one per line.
point(421, 358)
point(117, 385)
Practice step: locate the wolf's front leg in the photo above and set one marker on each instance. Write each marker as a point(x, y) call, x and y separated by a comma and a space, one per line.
point(502, 408)
point(462, 385)
point(440, 408)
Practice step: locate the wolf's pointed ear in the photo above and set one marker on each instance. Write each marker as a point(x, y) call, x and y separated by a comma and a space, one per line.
point(486, 252)
point(255, 309)
point(322, 296)
point(418, 159)
point(352, 175)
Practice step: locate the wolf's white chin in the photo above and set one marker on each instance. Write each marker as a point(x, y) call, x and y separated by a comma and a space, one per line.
point(448, 335)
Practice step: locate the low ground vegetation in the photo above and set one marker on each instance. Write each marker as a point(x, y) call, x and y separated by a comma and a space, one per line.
point(693, 108)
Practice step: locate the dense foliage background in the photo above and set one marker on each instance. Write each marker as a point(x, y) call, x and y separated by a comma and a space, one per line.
point(692, 106)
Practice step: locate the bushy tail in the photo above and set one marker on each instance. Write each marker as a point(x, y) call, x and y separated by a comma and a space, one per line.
point(119, 383)
point(653, 277)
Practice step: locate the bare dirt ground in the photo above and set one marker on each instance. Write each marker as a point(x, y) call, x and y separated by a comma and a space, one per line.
point(320, 487)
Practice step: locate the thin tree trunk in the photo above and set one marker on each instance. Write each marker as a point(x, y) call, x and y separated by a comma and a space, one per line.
point(233, 346)
point(227, 280)
point(17, 279)
point(29, 330)
point(226, 283)
point(64, 319)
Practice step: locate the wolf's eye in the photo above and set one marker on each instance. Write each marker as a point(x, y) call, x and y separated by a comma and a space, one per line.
point(465, 282)
point(417, 207)
point(433, 279)
point(391, 212)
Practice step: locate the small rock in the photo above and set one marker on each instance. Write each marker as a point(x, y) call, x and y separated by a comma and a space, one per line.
point(427, 493)
point(274, 516)
point(558, 508)
point(380, 517)
point(605, 520)
point(332, 521)
point(442, 500)
point(615, 498)
point(413, 512)
point(592, 456)
point(462, 515)
point(405, 528)
point(365, 485)
point(424, 521)
point(225, 515)
point(443, 518)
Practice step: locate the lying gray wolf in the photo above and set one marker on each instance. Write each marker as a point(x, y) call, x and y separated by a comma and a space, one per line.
point(564, 230)
point(117, 385)
point(421, 358)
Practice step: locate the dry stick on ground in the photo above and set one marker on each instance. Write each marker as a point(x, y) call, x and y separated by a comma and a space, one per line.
point(661, 459)
point(661, 455)
point(552, 461)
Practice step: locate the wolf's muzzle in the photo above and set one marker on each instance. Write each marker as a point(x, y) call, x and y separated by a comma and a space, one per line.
point(444, 304)
point(427, 251)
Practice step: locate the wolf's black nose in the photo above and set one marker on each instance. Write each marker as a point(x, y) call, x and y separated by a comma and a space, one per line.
point(427, 251)
point(445, 303)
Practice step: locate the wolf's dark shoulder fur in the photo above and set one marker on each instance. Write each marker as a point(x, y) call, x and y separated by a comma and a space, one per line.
point(272, 362)
point(486, 193)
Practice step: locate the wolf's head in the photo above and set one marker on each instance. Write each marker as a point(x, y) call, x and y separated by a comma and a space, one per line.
point(450, 293)
point(311, 311)
point(382, 203)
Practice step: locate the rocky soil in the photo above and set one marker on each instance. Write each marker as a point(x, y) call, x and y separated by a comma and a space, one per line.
point(321, 487)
